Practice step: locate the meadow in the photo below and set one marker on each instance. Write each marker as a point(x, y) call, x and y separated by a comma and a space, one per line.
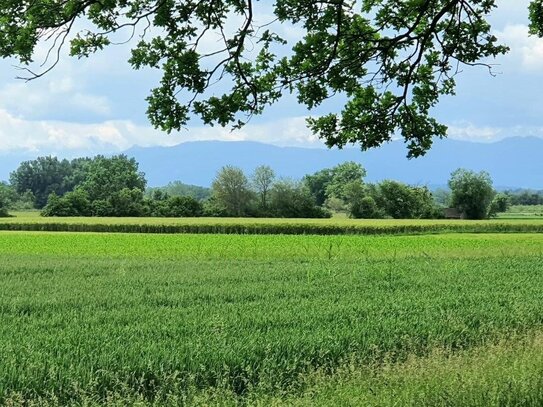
point(31, 221)
point(523, 212)
point(199, 319)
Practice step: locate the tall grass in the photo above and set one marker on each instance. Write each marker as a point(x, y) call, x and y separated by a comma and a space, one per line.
point(24, 222)
point(167, 319)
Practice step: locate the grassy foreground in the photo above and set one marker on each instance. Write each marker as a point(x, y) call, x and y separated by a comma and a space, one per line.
point(309, 320)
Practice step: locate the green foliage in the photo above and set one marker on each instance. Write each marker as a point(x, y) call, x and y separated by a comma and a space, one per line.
point(525, 197)
point(105, 187)
point(6, 196)
point(389, 61)
point(472, 193)
point(343, 176)
point(401, 201)
point(127, 202)
point(42, 176)
point(290, 199)
point(3, 207)
point(500, 203)
point(262, 181)
point(112, 187)
point(75, 203)
point(335, 205)
point(106, 176)
point(536, 17)
point(175, 207)
point(442, 197)
point(366, 208)
point(231, 191)
point(317, 184)
point(156, 319)
point(361, 203)
point(334, 182)
point(214, 208)
point(178, 188)
point(396, 199)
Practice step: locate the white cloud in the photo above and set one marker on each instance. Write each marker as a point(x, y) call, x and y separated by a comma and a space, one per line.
point(526, 50)
point(95, 104)
point(41, 98)
point(471, 132)
point(46, 137)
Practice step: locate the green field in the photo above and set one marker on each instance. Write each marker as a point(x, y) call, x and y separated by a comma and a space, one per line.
point(523, 212)
point(446, 319)
point(31, 221)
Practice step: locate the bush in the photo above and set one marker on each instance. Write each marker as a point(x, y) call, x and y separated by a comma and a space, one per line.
point(401, 201)
point(499, 204)
point(3, 209)
point(127, 202)
point(102, 207)
point(3, 204)
point(75, 203)
point(214, 209)
point(336, 205)
point(176, 207)
point(291, 199)
point(366, 208)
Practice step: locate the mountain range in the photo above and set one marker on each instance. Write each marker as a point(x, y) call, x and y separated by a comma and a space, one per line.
point(512, 162)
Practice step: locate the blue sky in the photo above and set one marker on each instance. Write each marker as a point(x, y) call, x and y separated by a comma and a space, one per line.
point(97, 105)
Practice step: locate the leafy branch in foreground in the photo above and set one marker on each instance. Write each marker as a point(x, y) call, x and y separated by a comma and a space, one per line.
point(388, 61)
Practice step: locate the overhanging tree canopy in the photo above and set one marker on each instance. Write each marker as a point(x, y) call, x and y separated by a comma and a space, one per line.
point(391, 60)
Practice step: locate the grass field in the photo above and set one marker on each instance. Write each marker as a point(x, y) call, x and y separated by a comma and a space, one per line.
point(448, 319)
point(523, 212)
point(31, 221)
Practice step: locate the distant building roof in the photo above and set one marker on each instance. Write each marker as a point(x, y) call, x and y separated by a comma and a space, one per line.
point(452, 213)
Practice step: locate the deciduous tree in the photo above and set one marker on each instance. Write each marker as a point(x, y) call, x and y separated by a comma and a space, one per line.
point(388, 61)
point(472, 193)
point(109, 175)
point(262, 180)
point(231, 190)
point(42, 176)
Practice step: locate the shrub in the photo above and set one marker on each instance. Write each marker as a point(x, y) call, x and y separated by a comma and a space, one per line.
point(291, 199)
point(127, 202)
point(3, 209)
point(213, 208)
point(75, 203)
point(499, 204)
point(366, 208)
point(102, 207)
point(181, 207)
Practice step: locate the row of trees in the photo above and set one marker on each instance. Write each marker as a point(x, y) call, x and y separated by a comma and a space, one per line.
point(343, 189)
point(524, 197)
point(114, 186)
point(261, 195)
point(98, 186)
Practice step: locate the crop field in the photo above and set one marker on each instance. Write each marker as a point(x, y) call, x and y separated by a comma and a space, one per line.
point(199, 319)
point(523, 212)
point(31, 221)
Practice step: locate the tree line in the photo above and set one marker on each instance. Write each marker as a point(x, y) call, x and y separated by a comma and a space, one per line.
point(114, 186)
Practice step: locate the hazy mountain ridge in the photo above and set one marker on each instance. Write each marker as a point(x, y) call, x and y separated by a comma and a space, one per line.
point(512, 162)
